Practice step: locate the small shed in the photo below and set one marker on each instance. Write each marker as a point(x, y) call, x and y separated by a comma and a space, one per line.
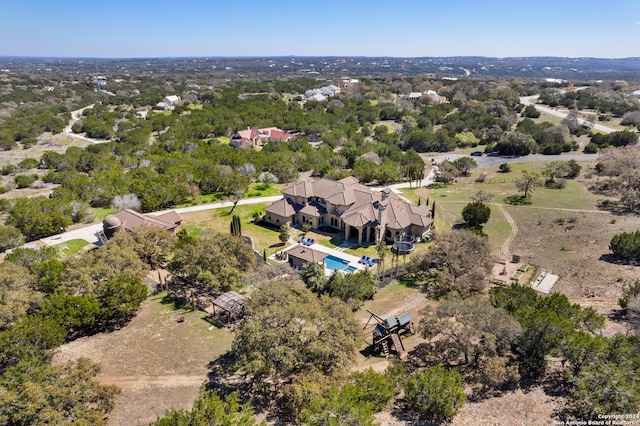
point(230, 304)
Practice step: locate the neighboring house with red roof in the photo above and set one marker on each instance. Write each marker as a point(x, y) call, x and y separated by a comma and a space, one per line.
point(130, 219)
point(350, 207)
point(257, 137)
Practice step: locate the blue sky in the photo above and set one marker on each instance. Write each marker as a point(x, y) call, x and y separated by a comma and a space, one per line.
point(401, 28)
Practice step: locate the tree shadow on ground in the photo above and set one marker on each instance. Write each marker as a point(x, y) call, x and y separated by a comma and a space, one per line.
point(614, 260)
point(224, 378)
point(176, 303)
point(556, 386)
point(517, 200)
point(613, 207)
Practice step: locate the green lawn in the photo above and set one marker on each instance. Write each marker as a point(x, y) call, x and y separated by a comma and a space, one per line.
point(71, 247)
point(263, 190)
point(218, 220)
point(101, 213)
point(203, 199)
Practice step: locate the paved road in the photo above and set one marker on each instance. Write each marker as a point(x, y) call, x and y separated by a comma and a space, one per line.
point(88, 232)
point(531, 100)
point(486, 161)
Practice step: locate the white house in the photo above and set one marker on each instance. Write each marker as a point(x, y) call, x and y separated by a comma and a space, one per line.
point(433, 95)
point(169, 102)
point(317, 97)
point(349, 81)
point(326, 91)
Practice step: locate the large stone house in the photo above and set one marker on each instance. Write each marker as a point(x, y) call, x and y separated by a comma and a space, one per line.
point(351, 208)
point(257, 137)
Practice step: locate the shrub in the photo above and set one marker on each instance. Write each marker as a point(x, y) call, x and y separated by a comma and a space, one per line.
point(626, 245)
point(504, 168)
point(553, 149)
point(531, 112)
point(436, 394)
point(23, 181)
point(28, 163)
point(8, 169)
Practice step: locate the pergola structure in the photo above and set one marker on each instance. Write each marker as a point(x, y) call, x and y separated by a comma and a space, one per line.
point(230, 303)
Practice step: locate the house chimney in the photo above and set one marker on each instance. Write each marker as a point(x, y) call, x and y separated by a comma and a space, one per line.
point(382, 222)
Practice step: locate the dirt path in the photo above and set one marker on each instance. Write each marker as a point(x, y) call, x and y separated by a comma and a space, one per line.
point(506, 245)
point(75, 117)
point(136, 383)
point(156, 361)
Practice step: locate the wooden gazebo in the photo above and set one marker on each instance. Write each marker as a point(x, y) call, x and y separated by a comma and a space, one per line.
point(230, 304)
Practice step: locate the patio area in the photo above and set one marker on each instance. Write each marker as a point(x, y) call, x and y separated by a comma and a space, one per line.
point(332, 257)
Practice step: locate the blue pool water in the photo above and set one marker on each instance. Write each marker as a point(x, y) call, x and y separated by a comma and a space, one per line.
point(332, 263)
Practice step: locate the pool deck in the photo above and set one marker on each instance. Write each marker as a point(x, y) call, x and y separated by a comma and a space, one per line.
point(353, 260)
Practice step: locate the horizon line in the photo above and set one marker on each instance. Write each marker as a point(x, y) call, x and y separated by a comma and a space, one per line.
point(308, 56)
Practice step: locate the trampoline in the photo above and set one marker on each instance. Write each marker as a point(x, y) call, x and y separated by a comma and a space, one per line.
point(402, 247)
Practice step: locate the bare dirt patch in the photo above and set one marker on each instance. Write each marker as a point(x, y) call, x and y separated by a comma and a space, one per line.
point(532, 408)
point(157, 362)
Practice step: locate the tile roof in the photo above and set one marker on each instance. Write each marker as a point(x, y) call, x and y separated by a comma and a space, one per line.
point(366, 216)
point(313, 209)
point(170, 217)
point(283, 207)
point(307, 254)
point(131, 219)
point(273, 134)
point(302, 189)
point(361, 204)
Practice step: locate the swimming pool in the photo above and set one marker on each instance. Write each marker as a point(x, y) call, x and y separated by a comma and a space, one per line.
point(333, 263)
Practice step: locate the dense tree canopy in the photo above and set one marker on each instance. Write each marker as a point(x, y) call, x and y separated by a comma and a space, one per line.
point(33, 392)
point(213, 262)
point(457, 263)
point(475, 336)
point(289, 330)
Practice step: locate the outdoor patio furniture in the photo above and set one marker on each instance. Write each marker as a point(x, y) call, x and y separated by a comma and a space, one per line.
point(373, 262)
point(301, 240)
point(363, 259)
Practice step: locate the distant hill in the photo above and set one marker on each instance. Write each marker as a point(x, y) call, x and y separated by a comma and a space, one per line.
point(454, 67)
